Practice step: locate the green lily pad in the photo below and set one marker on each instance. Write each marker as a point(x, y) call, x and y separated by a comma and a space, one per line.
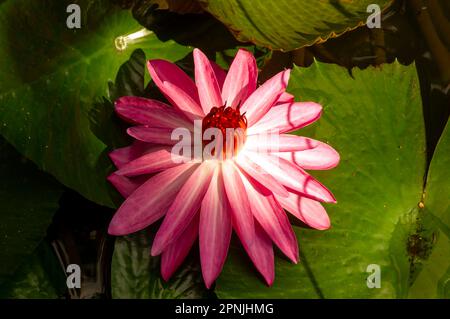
point(433, 280)
point(41, 277)
point(29, 200)
point(374, 119)
point(52, 77)
point(290, 24)
point(136, 275)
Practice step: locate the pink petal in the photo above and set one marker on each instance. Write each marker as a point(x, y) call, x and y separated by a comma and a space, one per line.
point(184, 207)
point(163, 71)
point(260, 251)
point(152, 162)
point(207, 85)
point(259, 103)
point(240, 207)
point(154, 135)
point(279, 143)
point(220, 74)
point(150, 112)
point(215, 229)
point(123, 155)
point(320, 157)
point(287, 117)
point(184, 102)
point(256, 172)
point(272, 218)
point(150, 201)
point(307, 210)
point(285, 98)
point(174, 255)
point(292, 176)
point(125, 185)
point(241, 79)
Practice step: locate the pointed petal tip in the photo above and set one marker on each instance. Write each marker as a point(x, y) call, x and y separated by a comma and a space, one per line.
point(111, 157)
point(130, 131)
point(155, 251)
point(338, 158)
point(206, 81)
point(269, 280)
point(244, 50)
point(167, 267)
point(297, 257)
point(111, 231)
point(118, 228)
point(154, 62)
point(122, 100)
point(208, 282)
point(323, 223)
point(117, 103)
point(114, 229)
point(326, 224)
point(198, 54)
point(315, 105)
point(327, 196)
point(152, 65)
point(293, 256)
point(246, 53)
point(110, 177)
point(287, 73)
point(120, 172)
point(209, 277)
point(332, 200)
point(286, 76)
point(165, 277)
point(165, 274)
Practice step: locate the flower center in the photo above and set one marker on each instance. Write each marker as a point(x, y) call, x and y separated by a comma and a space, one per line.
point(230, 124)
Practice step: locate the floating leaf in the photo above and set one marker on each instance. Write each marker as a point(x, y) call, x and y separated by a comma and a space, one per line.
point(433, 280)
point(52, 77)
point(379, 133)
point(290, 24)
point(40, 277)
point(136, 274)
point(29, 200)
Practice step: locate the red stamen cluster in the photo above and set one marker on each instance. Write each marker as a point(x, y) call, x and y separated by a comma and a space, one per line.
point(226, 117)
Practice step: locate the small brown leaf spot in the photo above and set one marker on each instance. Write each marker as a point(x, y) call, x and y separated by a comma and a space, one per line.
point(416, 246)
point(421, 205)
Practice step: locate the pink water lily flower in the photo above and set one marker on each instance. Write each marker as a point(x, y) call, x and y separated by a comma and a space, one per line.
point(247, 192)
